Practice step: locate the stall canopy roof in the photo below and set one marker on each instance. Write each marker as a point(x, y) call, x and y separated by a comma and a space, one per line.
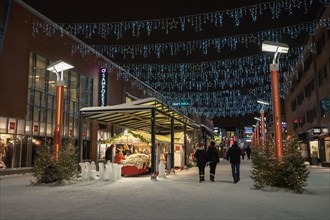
point(137, 115)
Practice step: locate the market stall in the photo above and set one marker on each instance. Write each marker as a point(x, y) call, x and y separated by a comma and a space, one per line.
point(132, 150)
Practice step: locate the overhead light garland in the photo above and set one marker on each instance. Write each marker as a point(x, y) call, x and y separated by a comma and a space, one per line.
point(216, 65)
point(197, 22)
point(230, 91)
point(204, 46)
point(228, 77)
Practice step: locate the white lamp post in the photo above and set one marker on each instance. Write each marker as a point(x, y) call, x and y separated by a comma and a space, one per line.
point(257, 132)
point(277, 49)
point(262, 116)
point(58, 68)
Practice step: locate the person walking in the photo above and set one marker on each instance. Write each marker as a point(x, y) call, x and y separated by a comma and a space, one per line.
point(213, 156)
point(201, 159)
point(248, 152)
point(234, 156)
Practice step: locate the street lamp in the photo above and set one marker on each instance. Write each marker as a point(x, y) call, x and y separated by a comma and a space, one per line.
point(277, 49)
point(262, 116)
point(58, 68)
point(257, 138)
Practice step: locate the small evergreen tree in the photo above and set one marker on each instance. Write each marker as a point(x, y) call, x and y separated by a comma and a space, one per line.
point(48, 169)
point(44, 164)
point(294, 172)
point(264, 165)
point(66, 165)
point(288, 172)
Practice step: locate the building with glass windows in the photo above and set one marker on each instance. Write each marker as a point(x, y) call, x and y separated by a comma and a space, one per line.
point(308, 101)
point(28, 90)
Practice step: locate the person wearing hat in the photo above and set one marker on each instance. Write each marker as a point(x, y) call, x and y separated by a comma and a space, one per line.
point(213, 155)
point(201, 159)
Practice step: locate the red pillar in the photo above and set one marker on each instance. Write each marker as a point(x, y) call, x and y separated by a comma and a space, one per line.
point(58, 119)
point(277, 111)
point(257, 136)
point(262, 129)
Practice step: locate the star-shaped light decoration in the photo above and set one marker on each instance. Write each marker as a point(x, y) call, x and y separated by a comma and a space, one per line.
point(129, 50)
point(197, 67)
point(173, 24)
point(296, 3)
point(252, 38)
point(69, 29)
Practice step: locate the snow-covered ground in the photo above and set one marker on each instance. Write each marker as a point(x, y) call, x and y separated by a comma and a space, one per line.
point(178, 196)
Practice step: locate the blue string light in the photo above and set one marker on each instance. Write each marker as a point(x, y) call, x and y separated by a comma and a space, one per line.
point(146, 27)
point(204, 46)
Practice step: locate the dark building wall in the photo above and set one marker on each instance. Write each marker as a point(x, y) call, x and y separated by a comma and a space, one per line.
point(14, 65)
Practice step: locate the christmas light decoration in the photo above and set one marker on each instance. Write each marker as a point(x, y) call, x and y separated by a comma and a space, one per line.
point(203, 46)
point(196, 22)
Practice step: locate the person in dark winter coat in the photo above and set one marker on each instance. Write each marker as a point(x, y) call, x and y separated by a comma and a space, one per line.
point(213, 156)
point(108, 153)
point(234, 156)
point(201, 159)
point(248, 152)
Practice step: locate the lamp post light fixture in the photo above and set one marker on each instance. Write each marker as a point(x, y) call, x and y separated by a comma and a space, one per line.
point(262, 116)
point(58, 68)
point(257, 132)
point(277, 49)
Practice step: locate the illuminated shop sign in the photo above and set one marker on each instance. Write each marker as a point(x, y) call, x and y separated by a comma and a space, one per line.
point(316, 130)
point(103, 86)
point(180, 104)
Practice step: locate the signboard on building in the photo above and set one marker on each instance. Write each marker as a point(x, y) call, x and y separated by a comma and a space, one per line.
point(103, 86)
point(317, 130)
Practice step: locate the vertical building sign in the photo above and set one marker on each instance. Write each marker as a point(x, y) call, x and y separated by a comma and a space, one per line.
point(103, 86)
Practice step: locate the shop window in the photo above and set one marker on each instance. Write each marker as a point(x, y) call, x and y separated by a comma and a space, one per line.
point(309, 88)
point(40, 73)
point(300, 98)
point(308, 62)
point(20, 126)
point(327, 149)
point(293, 85)
point(73, 85)
point(3, 125)
point(310, 115)
point(52, 83)
point(322, 74)
point(300, 73)
point(293, 105)
point(320, 44)
point(314, 149)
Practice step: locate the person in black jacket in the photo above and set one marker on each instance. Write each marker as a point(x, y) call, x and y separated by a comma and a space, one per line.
point(201, 159)
point(213, 156)
point(108, 153)
point(248, 152)
point(234, 156)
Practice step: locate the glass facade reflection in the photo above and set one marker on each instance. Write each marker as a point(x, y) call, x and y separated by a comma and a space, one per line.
point(21, 138)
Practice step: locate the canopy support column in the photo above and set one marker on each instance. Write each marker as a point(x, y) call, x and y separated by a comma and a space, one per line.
point(153, 144)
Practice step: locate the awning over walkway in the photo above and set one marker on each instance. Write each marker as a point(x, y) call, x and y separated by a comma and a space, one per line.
point(137, 115)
